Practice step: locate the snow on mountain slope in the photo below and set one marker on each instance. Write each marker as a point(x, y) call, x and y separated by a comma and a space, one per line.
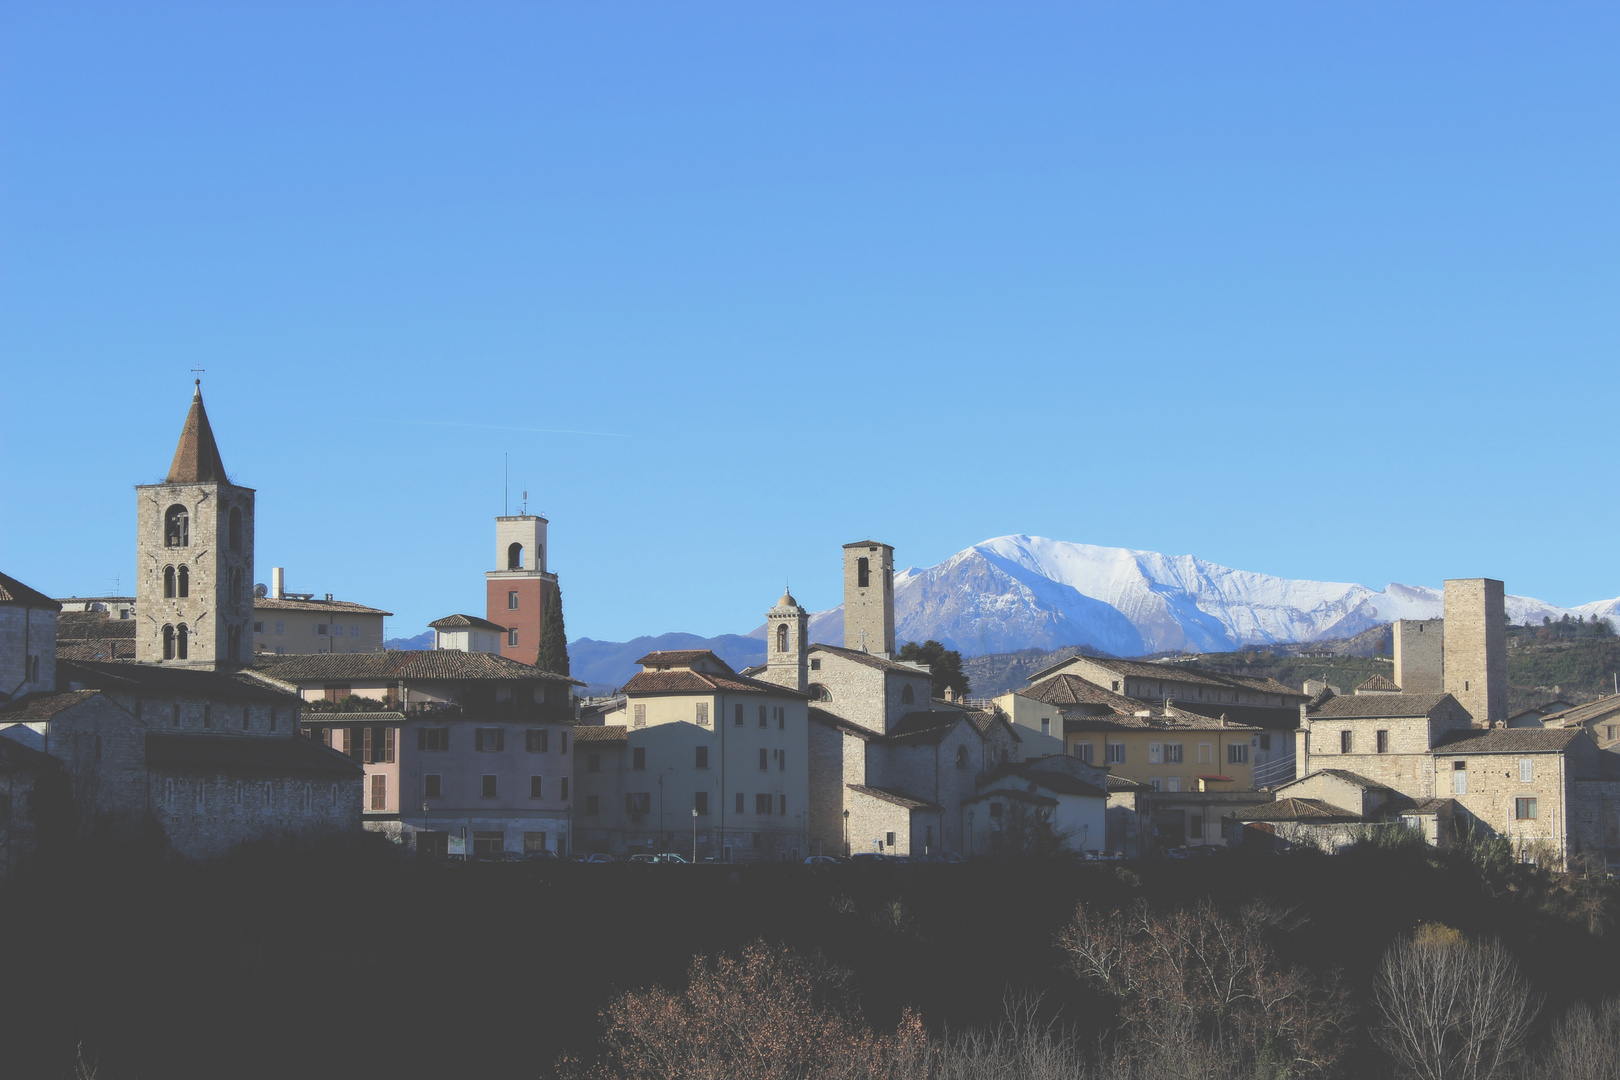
point(1018, 592)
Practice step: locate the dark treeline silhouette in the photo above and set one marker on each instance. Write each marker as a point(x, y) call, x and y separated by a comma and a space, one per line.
point(350, 961)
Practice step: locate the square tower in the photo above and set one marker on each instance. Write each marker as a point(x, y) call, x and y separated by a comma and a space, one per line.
point(787, 645)
point(869, 598)
point(519, 588)
point(1476, 647)
point(194, 558)
point(1420, 655)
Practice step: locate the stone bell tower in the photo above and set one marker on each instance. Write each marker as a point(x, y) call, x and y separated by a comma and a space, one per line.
point(869, 598)
point(787, 645)
point(194, 557)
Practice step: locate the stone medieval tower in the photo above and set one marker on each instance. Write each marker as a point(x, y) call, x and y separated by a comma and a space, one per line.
point(787, 645)
point(1476, 647)
point(194, 557)
point(869, 598)
point(1420, 655)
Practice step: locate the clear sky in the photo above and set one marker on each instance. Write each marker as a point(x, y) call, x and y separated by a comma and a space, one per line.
point(1324, 290)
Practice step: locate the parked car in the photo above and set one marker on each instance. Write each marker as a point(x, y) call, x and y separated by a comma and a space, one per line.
point(669, 857)
point(869, 857)
point(598, 857)
point(821, 860)
point(644, 858)
point(1175, 853)
point(928, 857)
point(503, 856)
point(950, 857)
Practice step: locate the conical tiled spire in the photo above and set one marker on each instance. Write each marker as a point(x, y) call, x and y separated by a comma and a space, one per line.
point(196, 459)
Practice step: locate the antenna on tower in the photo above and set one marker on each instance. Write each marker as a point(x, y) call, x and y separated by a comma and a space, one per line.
point(525, 503)
point(506, 485)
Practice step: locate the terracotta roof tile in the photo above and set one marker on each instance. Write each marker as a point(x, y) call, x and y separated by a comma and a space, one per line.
point(464, 622)
point(13, 591)
point(871, 660)
point(680, 656)
point(687, 681)
point(159, 679)
point(897, 797)
point(423, 664)
point(196, 456)
point(601, 733)
point(43, 706)
point(1507, 741)
point(1309, 811)
point(822, 716)
point(1377, 684)
point(254, 754)
point(330, 607)
point(1371, 706)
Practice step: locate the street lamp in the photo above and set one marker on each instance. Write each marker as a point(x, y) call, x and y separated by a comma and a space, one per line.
point(970, 834)
point(694, 834)
point(846, 834)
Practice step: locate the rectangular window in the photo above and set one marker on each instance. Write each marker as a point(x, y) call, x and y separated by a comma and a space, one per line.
point(433, 738)
point(281, 628)
point(593, 805)
point(1083, 751)
point(491, 740)
point(1524, 809)
point(593, 762)
point(537, 787)
point(379, 791)
point(739, 802)
point(1206, 753)
point(781, 761)
point(737, 716)
point(1156, 783)
point(1611, 731)
point(336, 629)
point(1172, 753)
point(762, 716)
point(1115, 753)
point(537, 740)
point(511, 636)
point(488, 843)
point(562, 789)
point(1046, 725)
point(534, 841)
point(1381, 740)
point(781, 717)
point(700, 802)
point(1195, 826)
point(1346, 741)
point(762, 758)
point(258, 628)
point(432, 786)
point(888, 838)
point(354, 631)
point(781, 805)
point(1172, 783)
point(1459, 777)
point(1237, 754)
point(701, 757)
point(1527, 770)
point(562, 742)
point(702, 713)
point(320, 629)
point(641, 716)
point(1155, 753)
point(815, 664)
point(762, 804)
point(490, 787)
point(1265, 740)
point(638, 802)
point(638, 757)
point(511, 601)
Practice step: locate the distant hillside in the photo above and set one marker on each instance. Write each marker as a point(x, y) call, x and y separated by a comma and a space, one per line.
point(608, 665)
point(424, 640)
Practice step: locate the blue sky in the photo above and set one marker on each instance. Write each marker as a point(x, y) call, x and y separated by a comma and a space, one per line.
point(1320, 290)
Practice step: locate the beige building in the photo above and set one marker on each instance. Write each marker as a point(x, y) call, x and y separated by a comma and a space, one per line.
point(299, 624)
point(1600, 718)
point(467, 633)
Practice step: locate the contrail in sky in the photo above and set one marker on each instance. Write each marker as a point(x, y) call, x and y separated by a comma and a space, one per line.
point(497, 427)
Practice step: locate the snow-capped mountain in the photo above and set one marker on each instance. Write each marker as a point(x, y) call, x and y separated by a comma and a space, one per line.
point(1019, 592)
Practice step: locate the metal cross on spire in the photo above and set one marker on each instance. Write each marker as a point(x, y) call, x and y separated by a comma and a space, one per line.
point(198, 371)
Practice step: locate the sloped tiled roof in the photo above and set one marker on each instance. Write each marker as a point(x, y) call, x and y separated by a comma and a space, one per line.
point(196, 456)
point(1050, 779)
point(464, 622)
point(380, 716)
point(1347, 776)
point(15, 592)
point(424, 664)
point(1308, 811)
point(1582, 714)
point(926, 726)
point(1185, 673)
point(896, 796)
point(688, 681)
point(1377, 684)
point(681, 656)
point(1125, 783)
point(1071, 691)
point(1372, 706)
point(871, 660)
point(259, 755)
point(122, 649)
point(848, 727)
point(1507, 741)
point(1272, 717)
point(1015, 795)
point(601, 733)
point(331, 607)
point(43, 705)
point(14, 756)
point(72, 625)
point(1170, 723)
point(161, 679)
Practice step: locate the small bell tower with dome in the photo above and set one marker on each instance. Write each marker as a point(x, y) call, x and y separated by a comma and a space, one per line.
point(787, 645)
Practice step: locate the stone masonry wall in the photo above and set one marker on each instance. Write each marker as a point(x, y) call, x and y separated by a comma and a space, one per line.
point(24, 633)
point(869, 612)
point(1493, 787)
point(857, 690)
point(1476, 647)
point(205, 815)
point(1420, 655)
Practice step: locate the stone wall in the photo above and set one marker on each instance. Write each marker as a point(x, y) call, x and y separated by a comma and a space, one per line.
point(857, 690)
point(26, 633)
point(873, 820)
point(205, 815)
point(213, 606)
point(1407, 767)
point(1476, 647)
point(1493, 787)
point(1420, 655)
point(869, 611)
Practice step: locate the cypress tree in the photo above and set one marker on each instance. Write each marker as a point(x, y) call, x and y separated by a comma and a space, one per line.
point(553, 638)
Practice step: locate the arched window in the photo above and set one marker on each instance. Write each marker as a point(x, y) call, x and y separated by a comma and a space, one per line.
point(781, 638)
point(236, 528)
point(907, 697)
point(168, 583)
point(184, 580)
point(176, 527)
point(236, 584)
point(819, 693)
point(514, 557)
point(961, 757)
point(863, 572)
point(168, 643)
point(181, 649)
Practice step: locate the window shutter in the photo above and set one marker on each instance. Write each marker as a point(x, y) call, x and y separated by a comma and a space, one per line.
point(388, 744)
point(500, 738)
point(365, 748)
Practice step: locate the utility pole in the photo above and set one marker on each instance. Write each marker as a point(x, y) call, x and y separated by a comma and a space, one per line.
point(694, 835)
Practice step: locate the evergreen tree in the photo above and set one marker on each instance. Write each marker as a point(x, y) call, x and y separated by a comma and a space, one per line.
point(553, 638)
point(946, 665)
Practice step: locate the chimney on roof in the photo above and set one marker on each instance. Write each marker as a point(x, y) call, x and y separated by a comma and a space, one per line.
point(328, 596)
point(278, 583)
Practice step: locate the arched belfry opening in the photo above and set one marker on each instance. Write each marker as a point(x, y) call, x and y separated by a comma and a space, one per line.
point(863, 572)
point(168, 583)
point(182, 647)
point(176, 527)
point(183, 578)
point(514, 557)
point(781, 637)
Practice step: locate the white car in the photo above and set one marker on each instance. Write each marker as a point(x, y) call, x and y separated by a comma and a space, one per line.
point(821, 860)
